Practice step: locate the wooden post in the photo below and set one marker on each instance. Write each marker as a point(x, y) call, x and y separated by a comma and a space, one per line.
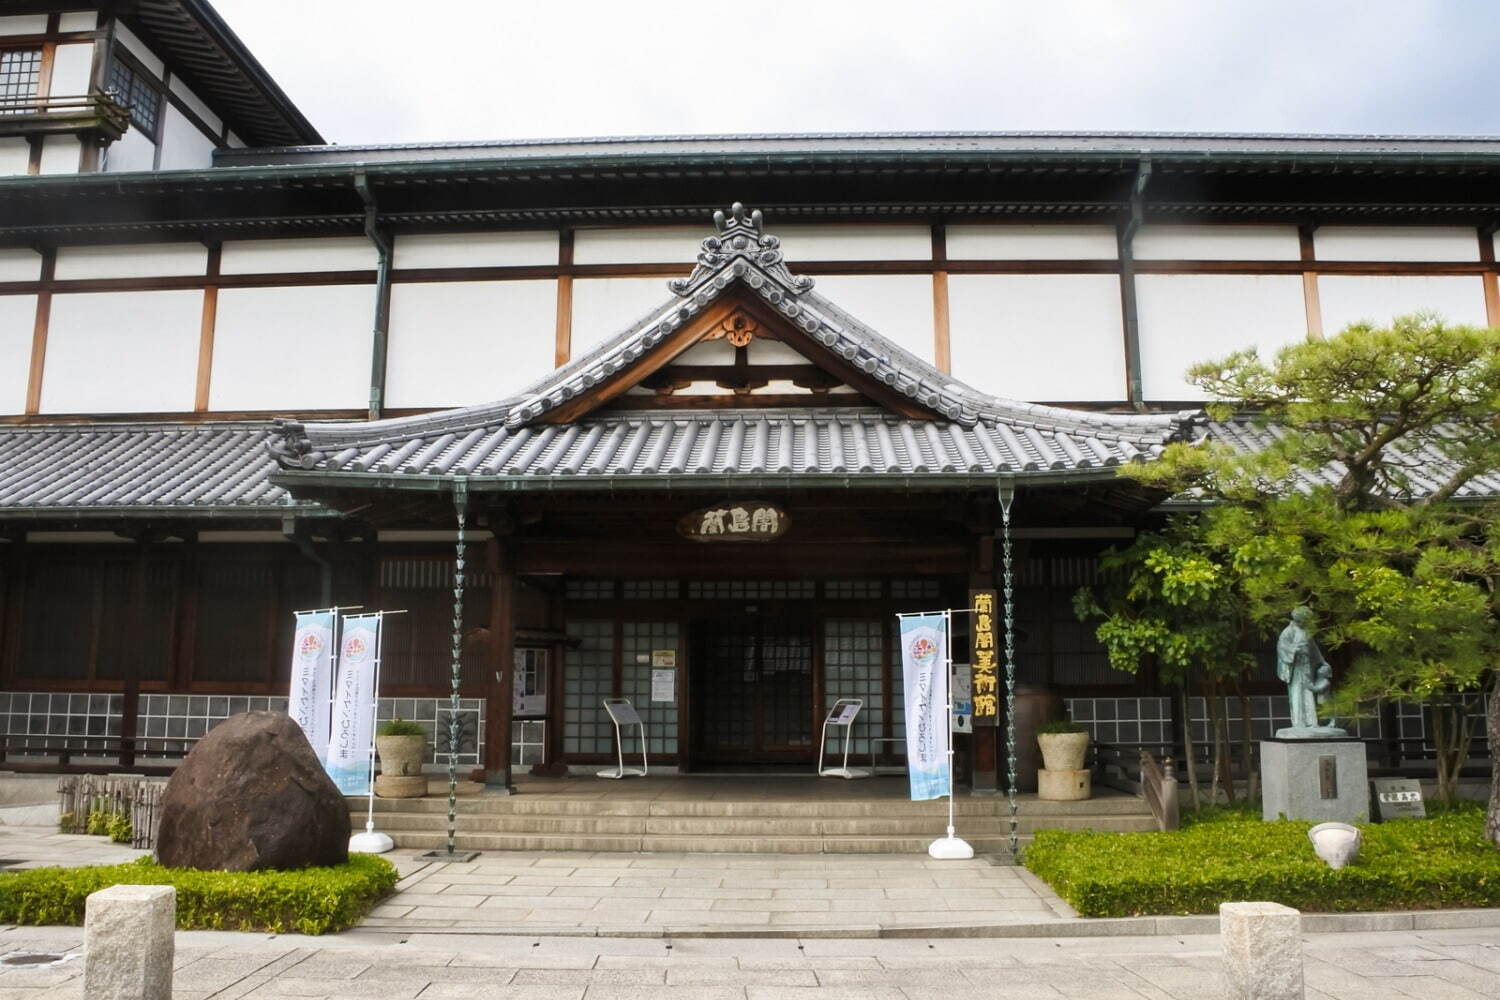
point(500, 680)
point(135, 653)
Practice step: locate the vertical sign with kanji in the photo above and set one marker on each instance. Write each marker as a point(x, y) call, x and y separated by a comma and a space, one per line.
point(983, 658)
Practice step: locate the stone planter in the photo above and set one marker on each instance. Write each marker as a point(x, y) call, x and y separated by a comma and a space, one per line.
point(400, 767)
point(1063, 751)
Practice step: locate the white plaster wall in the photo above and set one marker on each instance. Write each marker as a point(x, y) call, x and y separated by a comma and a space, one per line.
point(141, 260)
point(71, 69)
point(15, 156)
point(293, 349)
point(17, 321)
point(200, 109)
point(183, 147)
point(1188, 318)
point(1217, 243)
point(897, 306)
point(1349, 299)
point(722, 352)
point(476, 249)
point(639, 245)
point(19, 264)
point(1038, 337)
point(1043, 242)
point(603, 307)
point(854, 242)
point(132, 43)
point(1432, 243)
point(78, 20)
point(342, 253)
point(122, 352)
point(23, 24)
point(505, 332)
point(132, 151)
point(60, 154)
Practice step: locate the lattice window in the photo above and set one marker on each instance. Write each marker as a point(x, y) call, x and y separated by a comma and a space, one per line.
point(137, 93)
point(640, 590)
point(738, 590)
point(853, 667)
point(528, 743)
point(638, 641)
point(589, 590)
point(588, 678)
point(20, 72)
point(915, 590)
point(852, 590)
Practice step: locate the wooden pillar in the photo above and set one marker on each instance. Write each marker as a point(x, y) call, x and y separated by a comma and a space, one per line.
point(135, 653)
point(500, 680)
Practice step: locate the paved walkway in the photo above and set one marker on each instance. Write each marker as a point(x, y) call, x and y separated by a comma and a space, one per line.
point(655, 894)
point(1433, 965)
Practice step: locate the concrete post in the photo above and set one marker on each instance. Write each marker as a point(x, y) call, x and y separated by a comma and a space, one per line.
point(1262, 951)
point(128, 942)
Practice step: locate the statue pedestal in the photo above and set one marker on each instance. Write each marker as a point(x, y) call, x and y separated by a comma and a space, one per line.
point(1314, 779)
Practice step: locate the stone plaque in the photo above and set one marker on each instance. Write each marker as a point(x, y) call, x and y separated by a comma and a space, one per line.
point(1328, 777)
point(1396, 798)
point(735, 521)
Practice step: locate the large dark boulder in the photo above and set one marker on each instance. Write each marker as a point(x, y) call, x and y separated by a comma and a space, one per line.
point(252, 795)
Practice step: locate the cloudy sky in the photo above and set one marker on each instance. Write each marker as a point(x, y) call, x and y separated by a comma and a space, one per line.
point(381, 71)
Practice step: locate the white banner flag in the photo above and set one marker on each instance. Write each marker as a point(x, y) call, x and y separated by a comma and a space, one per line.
point(352, 741)
point(312, 676)
point(924, 668)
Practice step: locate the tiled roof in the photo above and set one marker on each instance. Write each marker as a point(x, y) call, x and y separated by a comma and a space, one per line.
point(1429, 467)
point(984, 433)
point(133, 466)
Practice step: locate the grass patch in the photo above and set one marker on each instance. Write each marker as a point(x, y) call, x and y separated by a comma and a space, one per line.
point(307, 901)
point(1228, 855)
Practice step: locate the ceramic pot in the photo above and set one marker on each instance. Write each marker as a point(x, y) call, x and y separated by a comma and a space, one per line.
point(1336, 843)
point(1063, 751)
point(400, 756)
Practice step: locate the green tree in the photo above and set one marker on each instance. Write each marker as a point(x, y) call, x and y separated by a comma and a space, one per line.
point(1362, 502)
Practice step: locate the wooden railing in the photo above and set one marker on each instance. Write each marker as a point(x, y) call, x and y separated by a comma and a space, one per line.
point(1159, 787)
point(64, 113)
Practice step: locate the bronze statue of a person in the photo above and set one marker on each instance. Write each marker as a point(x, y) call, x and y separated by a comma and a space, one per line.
point(1308, 677)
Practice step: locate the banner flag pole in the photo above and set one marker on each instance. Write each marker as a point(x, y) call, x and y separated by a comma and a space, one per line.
point(371, 842)
point(949, 848)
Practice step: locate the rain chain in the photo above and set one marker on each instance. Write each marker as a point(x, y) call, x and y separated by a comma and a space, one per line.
point(1007, 495)
point(460, 501)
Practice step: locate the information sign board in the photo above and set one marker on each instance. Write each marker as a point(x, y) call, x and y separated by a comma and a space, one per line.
point(1396, 798)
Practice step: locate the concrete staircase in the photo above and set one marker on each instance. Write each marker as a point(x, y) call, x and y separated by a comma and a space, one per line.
point(877, 825)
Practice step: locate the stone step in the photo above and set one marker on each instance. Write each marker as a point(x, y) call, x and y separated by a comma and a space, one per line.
point(691, 845)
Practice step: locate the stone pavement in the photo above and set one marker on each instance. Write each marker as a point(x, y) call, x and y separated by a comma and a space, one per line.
point(1430, 965)
point(656, 894)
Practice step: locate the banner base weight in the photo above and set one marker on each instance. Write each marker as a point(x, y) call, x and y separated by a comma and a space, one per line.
point(370, 842)
point(950, 848)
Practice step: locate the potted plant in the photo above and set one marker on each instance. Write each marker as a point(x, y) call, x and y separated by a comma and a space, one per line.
point(400, 743)
point(1063, 744)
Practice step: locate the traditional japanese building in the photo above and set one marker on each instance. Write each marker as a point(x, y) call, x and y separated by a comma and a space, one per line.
point(243, 372)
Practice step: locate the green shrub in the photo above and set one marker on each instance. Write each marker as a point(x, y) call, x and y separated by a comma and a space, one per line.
point(400, 727)
point(1051, 728)
point(1417, 864)
point(309, 901)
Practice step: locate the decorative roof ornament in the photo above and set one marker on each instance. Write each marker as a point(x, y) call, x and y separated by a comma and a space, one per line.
point(741, 250)
point(290, 445)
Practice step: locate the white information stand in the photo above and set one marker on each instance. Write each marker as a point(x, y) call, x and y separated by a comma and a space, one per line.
point(622, 713)
point(842, 713)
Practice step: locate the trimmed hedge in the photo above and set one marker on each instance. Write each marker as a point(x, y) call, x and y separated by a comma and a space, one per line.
point(307, 901)
point(1412, 864)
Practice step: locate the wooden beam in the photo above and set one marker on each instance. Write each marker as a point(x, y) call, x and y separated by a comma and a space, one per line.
point(206, 329)
point(39, 333)
point(1491, 280)
point(563, 349)
point(942, 351)
point(1312, 307)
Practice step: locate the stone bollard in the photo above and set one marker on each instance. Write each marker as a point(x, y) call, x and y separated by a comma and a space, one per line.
point(1262, 951)
point(128, 941)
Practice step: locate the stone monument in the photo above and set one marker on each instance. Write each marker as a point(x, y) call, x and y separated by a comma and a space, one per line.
point(1310, 770)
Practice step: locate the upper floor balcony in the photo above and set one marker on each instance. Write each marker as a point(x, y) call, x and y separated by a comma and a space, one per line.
point(99, 117)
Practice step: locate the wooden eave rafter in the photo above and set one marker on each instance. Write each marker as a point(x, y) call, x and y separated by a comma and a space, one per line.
point(701, 328)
